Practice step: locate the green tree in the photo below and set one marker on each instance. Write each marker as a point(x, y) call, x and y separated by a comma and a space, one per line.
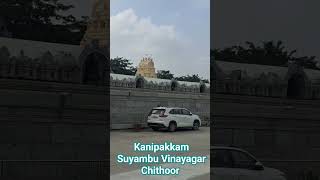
point(192, 78)
point(163, 74)
point(268, 53)
point(35, 11)
point(44, 20)
point(120, 65)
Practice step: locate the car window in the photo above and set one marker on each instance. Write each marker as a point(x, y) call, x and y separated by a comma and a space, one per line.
point(177, 111)
point(242, 160)
point(173, 111)
point(157, 111)
point(221, 158)
point(185, 112)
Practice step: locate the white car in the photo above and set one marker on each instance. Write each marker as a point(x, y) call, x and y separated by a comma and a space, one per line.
point(172, 118)
point(229, 163)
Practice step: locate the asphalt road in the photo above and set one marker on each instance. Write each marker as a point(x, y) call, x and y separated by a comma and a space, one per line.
point(122, 143)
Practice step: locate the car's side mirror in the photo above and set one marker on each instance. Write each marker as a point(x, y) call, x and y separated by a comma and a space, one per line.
point(258, 166)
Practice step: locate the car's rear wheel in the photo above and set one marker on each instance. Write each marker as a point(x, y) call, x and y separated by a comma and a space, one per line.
point(172, 127)
point(155, 128)
point(196, 125)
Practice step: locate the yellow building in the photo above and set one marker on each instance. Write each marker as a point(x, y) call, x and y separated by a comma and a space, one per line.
point(98, 26)
point(146, 68)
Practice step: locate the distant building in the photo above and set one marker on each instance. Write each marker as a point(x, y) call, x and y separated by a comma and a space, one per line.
point(146, 68)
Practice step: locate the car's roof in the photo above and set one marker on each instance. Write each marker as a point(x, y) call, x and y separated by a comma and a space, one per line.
point(231, 148)
point(168, 107)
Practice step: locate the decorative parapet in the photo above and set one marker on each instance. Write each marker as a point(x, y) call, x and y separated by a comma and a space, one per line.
point(126, 81)
point(291, 82)
point(62, 67)
point(251, 88)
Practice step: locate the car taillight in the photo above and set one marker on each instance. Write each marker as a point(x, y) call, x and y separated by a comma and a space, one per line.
point(162, 114)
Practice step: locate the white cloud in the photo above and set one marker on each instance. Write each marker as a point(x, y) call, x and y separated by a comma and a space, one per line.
point(133, 37)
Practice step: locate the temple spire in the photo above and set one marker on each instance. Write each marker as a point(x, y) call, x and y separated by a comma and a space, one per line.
point(98, 26)
point(146, 68)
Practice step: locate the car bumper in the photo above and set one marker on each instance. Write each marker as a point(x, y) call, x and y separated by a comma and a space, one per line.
point(157, 125)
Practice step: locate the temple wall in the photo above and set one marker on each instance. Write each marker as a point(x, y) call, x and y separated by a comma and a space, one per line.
point(53, 129)
point(262, 89)
point(130, 106)
point(64, 124)
point(283, 133)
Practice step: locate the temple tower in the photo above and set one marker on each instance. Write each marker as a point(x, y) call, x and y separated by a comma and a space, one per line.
point(98, 26)
point(146, 68)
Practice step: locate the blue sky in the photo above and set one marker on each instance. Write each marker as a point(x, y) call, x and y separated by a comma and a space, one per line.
point(176, 34)
point(183, 15)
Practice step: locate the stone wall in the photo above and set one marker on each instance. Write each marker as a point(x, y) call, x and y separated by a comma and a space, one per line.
point(130, 106)
point(132, 98)
point(53, 129)
point(60, 129)
point(283, 133)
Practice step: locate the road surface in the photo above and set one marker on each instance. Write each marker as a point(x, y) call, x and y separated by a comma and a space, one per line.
point(122, 143)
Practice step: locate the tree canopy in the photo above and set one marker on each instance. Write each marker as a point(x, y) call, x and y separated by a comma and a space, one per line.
point(120, 65)
point(35, 11)
point(269, 53)
point(192, 78)
point(42, 20)
point(162, 74)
